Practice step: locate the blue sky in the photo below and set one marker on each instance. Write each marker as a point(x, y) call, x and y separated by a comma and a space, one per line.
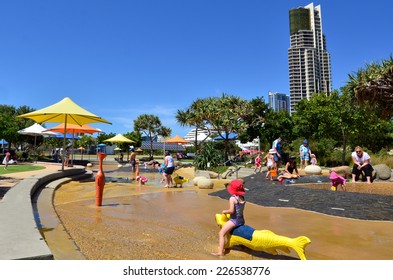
point(123, 58)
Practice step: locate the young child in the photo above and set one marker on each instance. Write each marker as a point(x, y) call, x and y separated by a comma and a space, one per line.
point(258, 163)
point(269, 159)
point(236, 208)
point(337, 180)
point(313, 159)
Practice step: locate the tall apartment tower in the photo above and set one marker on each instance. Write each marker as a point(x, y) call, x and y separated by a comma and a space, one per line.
point(279, 101)
point(309, 62)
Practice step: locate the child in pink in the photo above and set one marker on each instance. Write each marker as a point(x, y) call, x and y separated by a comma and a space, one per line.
point(337, 180)
point(257, 163)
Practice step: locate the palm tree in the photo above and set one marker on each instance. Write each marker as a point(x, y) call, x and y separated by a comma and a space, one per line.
point(373, 86)
point(151, 126)
point(193, 116)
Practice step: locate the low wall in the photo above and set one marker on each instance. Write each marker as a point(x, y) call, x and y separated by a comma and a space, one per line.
point(19, 234)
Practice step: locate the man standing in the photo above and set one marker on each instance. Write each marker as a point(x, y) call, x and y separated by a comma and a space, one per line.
point(133, 160)
point(278, 152)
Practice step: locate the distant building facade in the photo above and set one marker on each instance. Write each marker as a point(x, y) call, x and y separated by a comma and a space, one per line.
point(279, 101)
point(308, 59)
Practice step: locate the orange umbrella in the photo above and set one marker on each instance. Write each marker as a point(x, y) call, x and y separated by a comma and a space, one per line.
point(177, 140)
point(73, 128)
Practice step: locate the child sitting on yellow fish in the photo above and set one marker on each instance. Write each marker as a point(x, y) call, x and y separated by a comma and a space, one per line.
point(236, 209)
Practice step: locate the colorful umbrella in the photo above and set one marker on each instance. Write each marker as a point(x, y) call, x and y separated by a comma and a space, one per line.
point(65, 111)
point(36, 130)
point(119, 138)
point(177, 140)
point(74, 128)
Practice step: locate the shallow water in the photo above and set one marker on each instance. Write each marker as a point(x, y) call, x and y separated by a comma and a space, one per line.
point(150, 222)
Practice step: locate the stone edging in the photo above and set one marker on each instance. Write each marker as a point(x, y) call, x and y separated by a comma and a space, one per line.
point(19, 234)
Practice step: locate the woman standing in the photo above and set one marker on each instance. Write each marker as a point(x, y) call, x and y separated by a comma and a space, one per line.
point(169, 167)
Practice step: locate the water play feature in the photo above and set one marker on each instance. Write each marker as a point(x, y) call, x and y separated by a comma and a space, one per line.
point(150, 222)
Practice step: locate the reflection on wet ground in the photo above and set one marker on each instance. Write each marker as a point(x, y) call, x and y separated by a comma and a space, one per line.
point(150, 222)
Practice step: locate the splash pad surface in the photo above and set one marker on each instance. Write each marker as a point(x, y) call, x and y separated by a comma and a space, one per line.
point(153, 223)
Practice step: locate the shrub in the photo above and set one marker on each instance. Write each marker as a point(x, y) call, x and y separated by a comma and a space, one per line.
point(209, 154)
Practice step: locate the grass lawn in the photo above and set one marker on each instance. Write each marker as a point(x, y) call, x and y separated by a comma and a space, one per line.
point(19, 168)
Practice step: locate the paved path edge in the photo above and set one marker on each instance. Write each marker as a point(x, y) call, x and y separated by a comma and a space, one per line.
point(20, 238)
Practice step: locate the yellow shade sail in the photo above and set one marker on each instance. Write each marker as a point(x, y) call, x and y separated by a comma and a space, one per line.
point(119, 138)
point(64, 111)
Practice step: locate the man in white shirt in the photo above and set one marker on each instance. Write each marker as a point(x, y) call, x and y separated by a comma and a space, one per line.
point(361, 163)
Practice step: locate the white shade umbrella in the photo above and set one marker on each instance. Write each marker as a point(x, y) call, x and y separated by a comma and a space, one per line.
point(36, 130)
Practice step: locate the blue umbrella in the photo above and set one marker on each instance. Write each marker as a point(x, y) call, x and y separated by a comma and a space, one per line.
point(68, 136)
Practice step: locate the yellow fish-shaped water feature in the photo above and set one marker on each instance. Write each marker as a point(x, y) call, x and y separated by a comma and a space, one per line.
point(265, 240)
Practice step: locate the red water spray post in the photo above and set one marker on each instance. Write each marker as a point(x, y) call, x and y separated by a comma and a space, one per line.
point(100, 180)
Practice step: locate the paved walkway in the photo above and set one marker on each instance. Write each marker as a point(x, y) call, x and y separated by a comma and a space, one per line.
point(345, 204)
point(19, 236)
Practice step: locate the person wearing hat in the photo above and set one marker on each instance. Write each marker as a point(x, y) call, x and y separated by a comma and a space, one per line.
point(305, 154)
point(289, 168)
point(337, 181)
point(269, 159)
point(236, 209)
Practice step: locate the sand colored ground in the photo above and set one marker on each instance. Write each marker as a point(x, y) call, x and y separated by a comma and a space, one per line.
point(150, 222)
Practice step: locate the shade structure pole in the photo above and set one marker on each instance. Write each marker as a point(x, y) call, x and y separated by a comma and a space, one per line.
point(64, 143)
point(72, 154)
point(35, 148)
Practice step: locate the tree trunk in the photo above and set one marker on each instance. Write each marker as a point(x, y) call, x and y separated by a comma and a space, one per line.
point(344, 147)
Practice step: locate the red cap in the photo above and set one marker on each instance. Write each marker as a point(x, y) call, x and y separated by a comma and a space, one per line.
point(236, 187)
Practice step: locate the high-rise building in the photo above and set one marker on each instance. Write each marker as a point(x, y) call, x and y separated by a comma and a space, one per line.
point(279, 101)
point(308, 59)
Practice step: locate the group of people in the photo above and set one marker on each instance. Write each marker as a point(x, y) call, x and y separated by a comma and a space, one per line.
point(361, 162)
point(167, 169)
point(237, 202)
point(57, 155)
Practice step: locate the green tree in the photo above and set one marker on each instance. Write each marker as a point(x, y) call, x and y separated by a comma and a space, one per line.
point(86, 141)
point(224, 115)
point(9, 124)
point(193, 117)
point(372, 86)
point(337, 117)
point(277, 124)
point(151, 126)
point(255, 121)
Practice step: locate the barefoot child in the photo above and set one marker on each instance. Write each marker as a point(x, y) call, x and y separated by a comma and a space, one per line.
point(313, 159)
point(258, 163)
point(236, 208)
point(337, 180)
point(269, 159)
